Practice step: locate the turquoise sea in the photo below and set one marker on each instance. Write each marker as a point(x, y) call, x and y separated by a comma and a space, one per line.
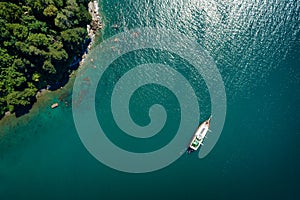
point(256, 48)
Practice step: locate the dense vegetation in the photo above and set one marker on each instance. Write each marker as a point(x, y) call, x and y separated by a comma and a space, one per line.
point(39, 39)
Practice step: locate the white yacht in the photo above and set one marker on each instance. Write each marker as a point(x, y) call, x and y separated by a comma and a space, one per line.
point(199, 136)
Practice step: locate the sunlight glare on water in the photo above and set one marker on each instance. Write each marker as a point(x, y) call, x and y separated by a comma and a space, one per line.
point(247, 39)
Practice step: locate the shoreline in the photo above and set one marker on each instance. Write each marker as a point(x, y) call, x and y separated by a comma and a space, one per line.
point(95, 26)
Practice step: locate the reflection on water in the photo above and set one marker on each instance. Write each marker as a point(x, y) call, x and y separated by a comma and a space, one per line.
point(247, 39)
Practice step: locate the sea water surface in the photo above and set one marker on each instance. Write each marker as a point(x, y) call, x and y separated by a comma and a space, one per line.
point(256, 47)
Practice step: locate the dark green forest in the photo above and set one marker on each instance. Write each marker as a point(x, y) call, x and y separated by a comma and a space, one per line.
point(39, 40)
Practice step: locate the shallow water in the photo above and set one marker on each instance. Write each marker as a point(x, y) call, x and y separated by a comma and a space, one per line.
point(255, 45)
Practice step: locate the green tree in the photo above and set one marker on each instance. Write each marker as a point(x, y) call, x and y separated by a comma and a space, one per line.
point(20, 98)
point(19, 31)
point(38, 39)
point(3, 31)
point(83, 15)
point(10, 12)
point(49, 67)
point(73, 37)
point(56, 52)
point(36, 77)
point(50, 11)
point(34, 25)
point(62, 21)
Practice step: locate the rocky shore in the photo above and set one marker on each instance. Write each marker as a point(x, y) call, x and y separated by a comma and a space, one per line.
point(96, 23)
point(92, 28)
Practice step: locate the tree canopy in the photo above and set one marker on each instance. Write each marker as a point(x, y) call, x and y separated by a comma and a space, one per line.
point(39, 38)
